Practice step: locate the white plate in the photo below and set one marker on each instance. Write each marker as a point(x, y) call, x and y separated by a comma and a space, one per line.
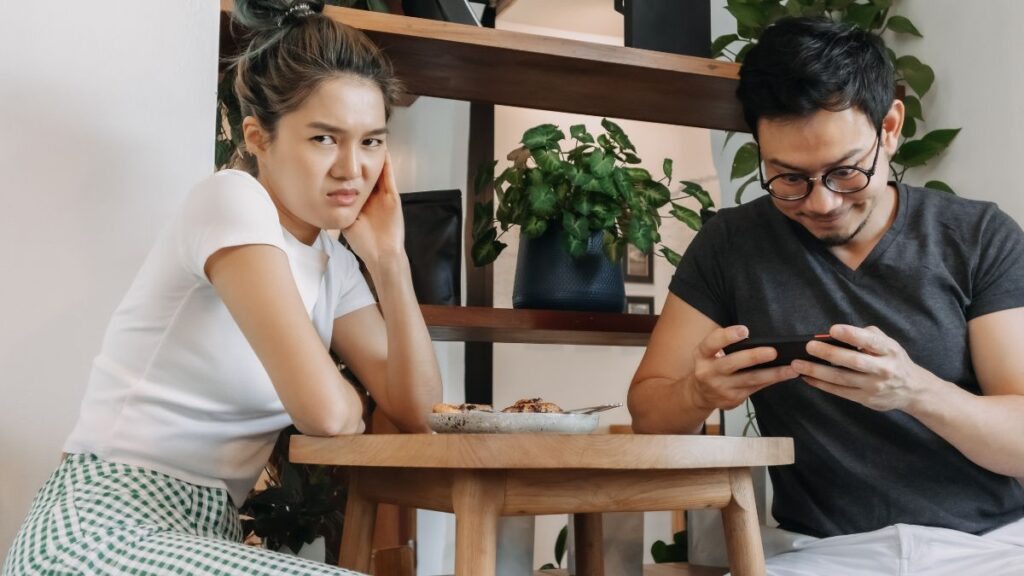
point(512, 422)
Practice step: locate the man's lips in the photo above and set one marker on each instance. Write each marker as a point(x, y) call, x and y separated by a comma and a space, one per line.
point(343, 196)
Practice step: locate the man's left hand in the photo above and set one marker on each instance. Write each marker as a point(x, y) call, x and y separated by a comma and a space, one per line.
point(878, 374)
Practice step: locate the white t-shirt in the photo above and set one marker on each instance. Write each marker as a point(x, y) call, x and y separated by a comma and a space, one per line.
point(176, 387)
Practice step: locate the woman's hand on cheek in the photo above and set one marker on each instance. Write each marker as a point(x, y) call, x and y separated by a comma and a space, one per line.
point(379, 230)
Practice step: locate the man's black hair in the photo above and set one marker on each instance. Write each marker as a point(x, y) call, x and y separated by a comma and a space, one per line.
point(803, 65)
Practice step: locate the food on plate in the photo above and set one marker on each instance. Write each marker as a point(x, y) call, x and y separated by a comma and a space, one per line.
point(443, 408)
point(534, 405)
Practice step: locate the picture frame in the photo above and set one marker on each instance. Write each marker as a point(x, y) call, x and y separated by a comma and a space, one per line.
point(638, 267)
point(639, 304)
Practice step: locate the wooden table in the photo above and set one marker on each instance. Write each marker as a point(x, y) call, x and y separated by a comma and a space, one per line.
point(482, 477)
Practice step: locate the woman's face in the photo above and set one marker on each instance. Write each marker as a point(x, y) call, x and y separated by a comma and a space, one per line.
point(325, 157)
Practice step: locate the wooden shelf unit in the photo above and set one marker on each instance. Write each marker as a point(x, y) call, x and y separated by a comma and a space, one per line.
point(515, 69)
point(479, 324)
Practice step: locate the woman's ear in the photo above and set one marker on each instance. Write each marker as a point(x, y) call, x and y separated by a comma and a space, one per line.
point(256, 138)
point(892, 126)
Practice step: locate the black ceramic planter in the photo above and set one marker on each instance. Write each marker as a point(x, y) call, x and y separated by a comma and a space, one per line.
point(548, 277)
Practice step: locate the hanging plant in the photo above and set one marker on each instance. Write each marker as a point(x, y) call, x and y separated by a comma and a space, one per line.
point(753, 16)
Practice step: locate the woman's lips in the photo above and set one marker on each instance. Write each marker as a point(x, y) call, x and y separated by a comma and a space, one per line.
point(344, 197)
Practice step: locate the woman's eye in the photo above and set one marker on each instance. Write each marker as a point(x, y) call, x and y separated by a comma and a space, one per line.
point(323, 139)
point(843, 173)
point(792, 178)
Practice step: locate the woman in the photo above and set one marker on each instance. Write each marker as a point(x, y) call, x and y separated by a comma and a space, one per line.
point(222, 340)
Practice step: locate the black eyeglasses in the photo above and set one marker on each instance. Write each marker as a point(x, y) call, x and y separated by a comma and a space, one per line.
point(840, 179)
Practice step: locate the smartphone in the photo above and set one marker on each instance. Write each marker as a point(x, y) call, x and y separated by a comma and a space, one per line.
point(789, 348)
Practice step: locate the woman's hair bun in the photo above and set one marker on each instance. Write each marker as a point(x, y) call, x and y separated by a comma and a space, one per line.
point(261, 15)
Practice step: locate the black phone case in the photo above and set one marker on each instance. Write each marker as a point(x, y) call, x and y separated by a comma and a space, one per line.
point(789, 348)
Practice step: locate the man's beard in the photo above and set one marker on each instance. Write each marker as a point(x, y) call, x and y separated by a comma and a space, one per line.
point(841, 239)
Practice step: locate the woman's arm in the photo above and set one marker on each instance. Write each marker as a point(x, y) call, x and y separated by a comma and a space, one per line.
point(392, 355)
point(255, 282)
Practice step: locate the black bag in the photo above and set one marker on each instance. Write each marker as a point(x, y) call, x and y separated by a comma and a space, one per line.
point(433, 241)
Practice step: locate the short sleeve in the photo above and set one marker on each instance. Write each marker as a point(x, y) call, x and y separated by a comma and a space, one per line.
point(352, 293)
point(230, 208)
point(700, 280)
point(998, 278)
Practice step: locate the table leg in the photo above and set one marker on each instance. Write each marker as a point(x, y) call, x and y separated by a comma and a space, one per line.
point(357, 532)
point(742, 531)
point(477, 499)
point(589, 536)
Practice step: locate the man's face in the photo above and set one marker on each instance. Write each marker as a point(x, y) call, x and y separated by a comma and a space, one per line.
point(810, 146)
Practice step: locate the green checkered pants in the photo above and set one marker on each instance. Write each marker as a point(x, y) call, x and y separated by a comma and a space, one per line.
point(98, 517)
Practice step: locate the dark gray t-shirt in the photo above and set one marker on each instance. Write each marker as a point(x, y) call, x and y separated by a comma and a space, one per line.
point(944, 261)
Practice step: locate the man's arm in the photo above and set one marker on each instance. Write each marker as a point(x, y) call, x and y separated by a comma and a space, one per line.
point(987, 429)
point(684, 376)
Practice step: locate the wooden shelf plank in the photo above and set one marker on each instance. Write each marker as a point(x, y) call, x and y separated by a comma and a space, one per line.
point(502, 67)
point(478, 324)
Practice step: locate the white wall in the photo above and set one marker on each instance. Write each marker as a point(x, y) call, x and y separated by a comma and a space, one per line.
point(106, 120)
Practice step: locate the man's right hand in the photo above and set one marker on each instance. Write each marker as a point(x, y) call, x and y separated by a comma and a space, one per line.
point(721, 381)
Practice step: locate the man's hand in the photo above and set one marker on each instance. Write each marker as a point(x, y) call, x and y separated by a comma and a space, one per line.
point(719, 380)
point(879, 374)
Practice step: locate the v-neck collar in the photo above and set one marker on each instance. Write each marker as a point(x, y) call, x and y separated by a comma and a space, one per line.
point(817, 247)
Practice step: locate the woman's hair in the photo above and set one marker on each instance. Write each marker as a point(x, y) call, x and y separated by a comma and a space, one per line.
point(293, 49)
point(803, 65)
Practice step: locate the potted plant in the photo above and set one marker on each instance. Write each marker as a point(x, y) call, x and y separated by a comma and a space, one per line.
point(297, 505)
point(577, 210)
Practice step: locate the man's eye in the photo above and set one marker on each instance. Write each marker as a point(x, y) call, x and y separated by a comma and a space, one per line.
point(323, 139)
point(843, 173)
point(792, 178)
point(373, 142)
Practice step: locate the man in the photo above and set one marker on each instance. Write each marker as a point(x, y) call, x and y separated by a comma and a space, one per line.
point(908, 445)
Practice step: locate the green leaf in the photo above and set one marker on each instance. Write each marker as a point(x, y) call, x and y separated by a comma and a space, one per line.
point(631, 158)
point(671, 255)
point(745, 161)
point(548, 566)
point(917, 75)
point(666, 166)
point(542, 136)
point(560, 544)
point(377, 5)
point(943, 137)
point(600, 164)
point(576, 234)
point(882, 4)
point(486, 249)
point(546, 160)
point(698, 192)
point(618, 135)
point(482, 218)
point(747, 15)
point(656, 194)
point(721, 43)
point(903, 26)
point(939, 185)
point(862, 15)
point(913, 106)
point(637, 174)
point(613, 247)
point(909, 127)
point(579, 132)
point(484, 176)
point(534, 227)
point(743, 52)
point(542, 200)
point(739, 192)
point(687, 216)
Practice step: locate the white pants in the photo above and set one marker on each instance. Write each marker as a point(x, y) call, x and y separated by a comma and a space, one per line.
point(900, 550)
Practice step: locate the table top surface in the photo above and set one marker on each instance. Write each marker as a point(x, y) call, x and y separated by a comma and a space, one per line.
point(542, 451)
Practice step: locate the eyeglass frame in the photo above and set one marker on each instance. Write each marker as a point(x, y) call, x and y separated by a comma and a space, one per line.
point(870, 173)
